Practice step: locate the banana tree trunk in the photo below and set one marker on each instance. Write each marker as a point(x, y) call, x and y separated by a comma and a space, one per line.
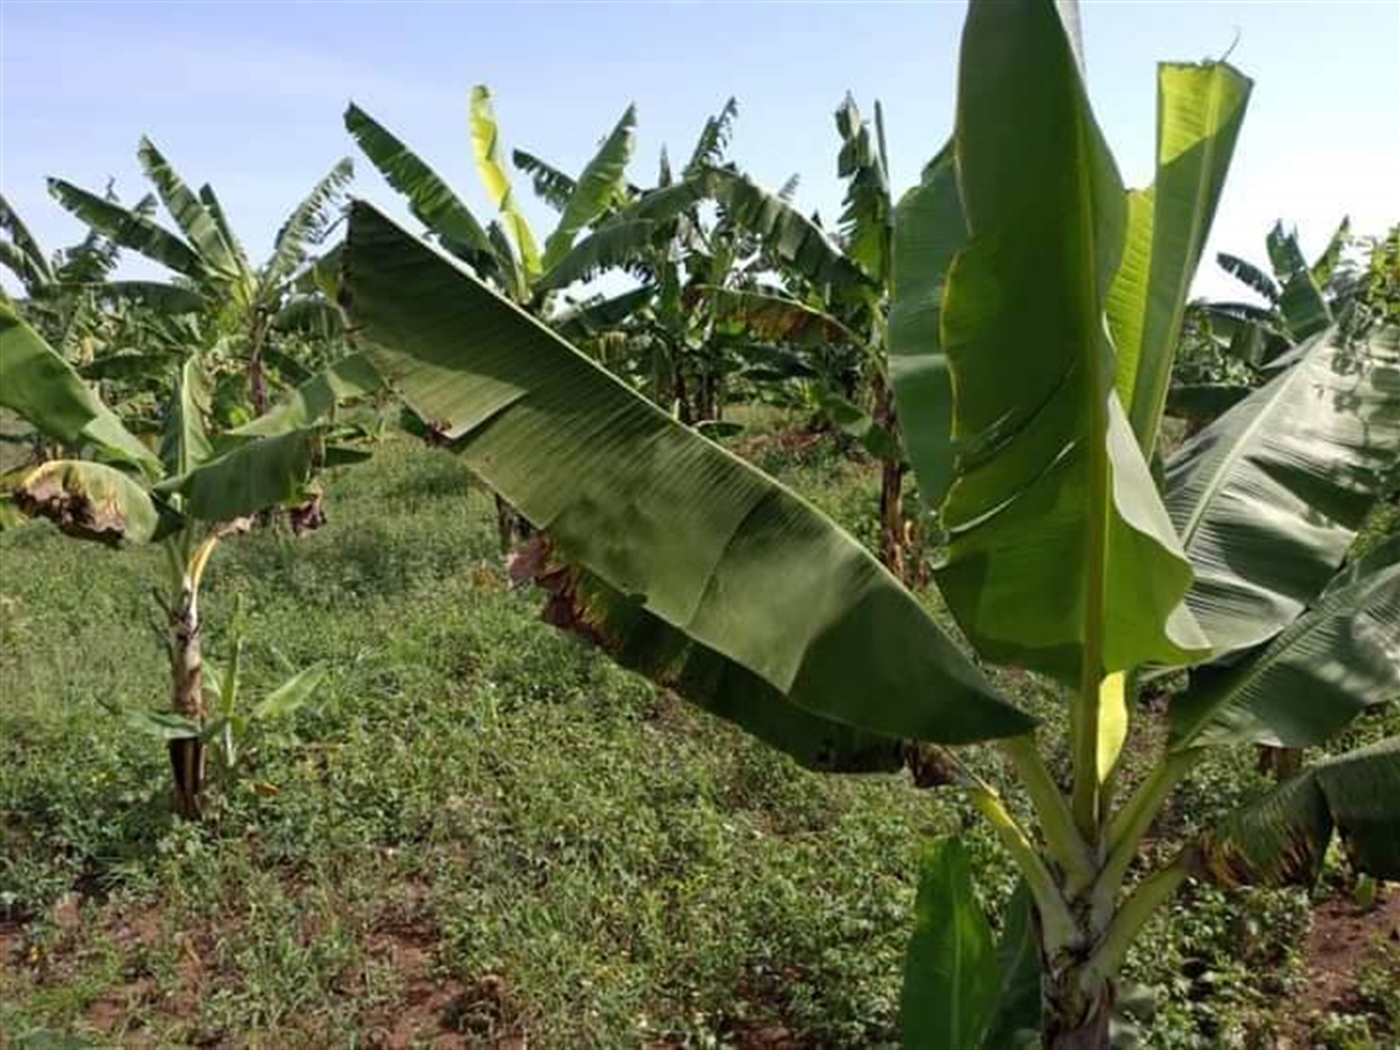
point(186, 698)
point(1073, 1016)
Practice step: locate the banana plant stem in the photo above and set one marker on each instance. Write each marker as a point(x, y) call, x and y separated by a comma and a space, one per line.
point(1065, 843)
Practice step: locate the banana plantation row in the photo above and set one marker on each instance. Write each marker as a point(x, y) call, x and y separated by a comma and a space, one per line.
point(1070, 530)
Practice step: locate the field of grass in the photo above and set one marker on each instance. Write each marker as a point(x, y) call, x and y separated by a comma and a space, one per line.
point(483, 834)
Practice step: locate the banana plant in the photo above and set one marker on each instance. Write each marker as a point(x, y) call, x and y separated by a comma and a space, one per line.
point(250, 305)
point(1020, 254)
point(196, 489)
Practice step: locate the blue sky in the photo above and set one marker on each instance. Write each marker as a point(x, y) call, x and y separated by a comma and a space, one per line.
point(250, 95)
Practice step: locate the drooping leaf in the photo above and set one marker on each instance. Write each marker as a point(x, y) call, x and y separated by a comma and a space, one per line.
point(929, 231)
point(552, 185)
point(705, 542)
point(788, 235)
point(90, 501)
point(597, 187)
point(591, 318)
point(1060, 550)
point(617, 243)
point(774, 318)
point(1268, 498)
point(131, 230)
point(1283, 836)
point(158, 295)
point(250, 477)
point(950, 967)
point(1337, 658)
point(486, 135)
point(1250, 274)
point(27, 261)
point(429, 198)
point(309, 315)
point(1200, 109)
point(163, 725)
point(43, 388)
point(583, 604)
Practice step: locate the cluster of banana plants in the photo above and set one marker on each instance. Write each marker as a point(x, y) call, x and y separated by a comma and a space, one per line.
point(195, 489)
point(1035, 311)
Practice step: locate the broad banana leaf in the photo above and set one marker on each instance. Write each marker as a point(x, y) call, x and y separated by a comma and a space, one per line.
point(1283, 837)
point(1338, 658)
point(866, 220)
point(158, 295)
point(184, 442)
point(130, 229)
point(45, 390)
point(306, 225)
point(1061, 556)
point(210, 200)
point(951, 971)
point(551, 185)
point(429, 198)
point(785, 233)
point(618, 243)
point(929, 230)
point(1302, 304)
point(90, 501)
point(253, 476)
point(598, 186)
point(591, 318)
point(486, 143)
point(1199, 112)
point(703, 541)
point(1268, 498)
point(188, 211)
point(310, 315)
point(582, 603)
point(1325, 267)
point(313, 401)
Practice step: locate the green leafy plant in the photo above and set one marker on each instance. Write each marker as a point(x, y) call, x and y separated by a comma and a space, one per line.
point(195, 490)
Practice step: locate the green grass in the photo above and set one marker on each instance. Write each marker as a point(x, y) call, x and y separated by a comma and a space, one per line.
point(478, 823)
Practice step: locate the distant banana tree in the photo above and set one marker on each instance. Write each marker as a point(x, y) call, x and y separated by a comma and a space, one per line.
point(1037, 306)
point(249, 304)
point(195, 490)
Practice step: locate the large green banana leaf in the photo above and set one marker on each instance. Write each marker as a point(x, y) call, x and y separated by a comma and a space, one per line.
point(188, 211)
point(788, 235)
point(90, 501)
point(866, 220)
point(184, 442)
point(1325, 266)
point(774, 318)
point(1250, 274)
point(429, 198)
point(619, 242)
point(251, 477)
point(929, 230)
point(1061, 556)
point(1301, 302)
point(713, 139)
point(702, 540)
point(1199, 112)
point(597, 187)
point(1283, 837)
point(486, 142)
point(1339, 657)
point(43, 388)
point(1267, 499)
point(130, 229)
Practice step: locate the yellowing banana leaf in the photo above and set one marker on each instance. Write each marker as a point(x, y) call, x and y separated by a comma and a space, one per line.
point(700, 539)
point(486, 135)
point(1200, 109)
point(90, 501)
